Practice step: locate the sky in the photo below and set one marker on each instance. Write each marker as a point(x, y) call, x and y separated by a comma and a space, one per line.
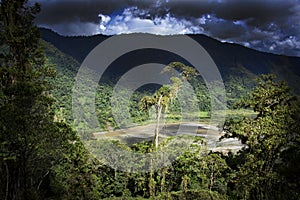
point(265, 25)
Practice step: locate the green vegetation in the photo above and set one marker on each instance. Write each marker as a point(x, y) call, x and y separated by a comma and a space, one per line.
point(166, 94)
point(273, 131)
point(33, 142)
point(41, 157)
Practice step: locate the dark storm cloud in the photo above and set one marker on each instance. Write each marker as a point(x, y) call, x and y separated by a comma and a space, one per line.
point(58, 11)
point(268, 25)
point(224, 29)
point(64, 11)
point(261, 11)
point(255, 13)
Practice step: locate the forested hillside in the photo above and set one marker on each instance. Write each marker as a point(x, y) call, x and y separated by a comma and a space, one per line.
point(230, 58)
point(238, 79)
point(238, 65)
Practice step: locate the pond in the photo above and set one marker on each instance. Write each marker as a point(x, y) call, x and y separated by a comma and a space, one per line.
point(211, 135)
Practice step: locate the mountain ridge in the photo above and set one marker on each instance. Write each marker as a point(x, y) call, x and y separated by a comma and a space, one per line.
point(44, 30)
point(233, 60)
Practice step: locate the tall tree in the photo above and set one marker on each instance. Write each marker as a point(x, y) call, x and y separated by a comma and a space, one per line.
point(162, 97)
point(267, 136)
point(31, 141)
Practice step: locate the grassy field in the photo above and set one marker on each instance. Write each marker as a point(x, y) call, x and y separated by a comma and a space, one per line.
point(204, 116)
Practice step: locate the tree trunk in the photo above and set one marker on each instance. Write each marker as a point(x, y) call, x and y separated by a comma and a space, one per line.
point(151, 180)
point(163, 180)
point(158, 115)
point(38, 187)
point(211, 183)
point(7, 181)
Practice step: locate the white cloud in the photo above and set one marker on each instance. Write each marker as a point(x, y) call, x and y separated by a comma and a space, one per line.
point(201, 20)
point(290, 42)
point(129, 22)
point(290, 45)
point(270, 38)
point(104, 19)
point(134, 20)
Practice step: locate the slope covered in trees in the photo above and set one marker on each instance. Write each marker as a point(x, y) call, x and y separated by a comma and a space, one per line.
point(34, 143)
point(238, 65)
point(235, 62)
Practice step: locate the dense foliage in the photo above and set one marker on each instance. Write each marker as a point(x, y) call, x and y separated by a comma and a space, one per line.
point(34, 142)
point(269, 136)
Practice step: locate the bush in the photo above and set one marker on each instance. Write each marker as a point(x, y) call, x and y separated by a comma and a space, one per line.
point(193, 195)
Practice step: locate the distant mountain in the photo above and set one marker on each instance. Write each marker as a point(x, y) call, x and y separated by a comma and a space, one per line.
point(78, 47)
point(237, 64)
